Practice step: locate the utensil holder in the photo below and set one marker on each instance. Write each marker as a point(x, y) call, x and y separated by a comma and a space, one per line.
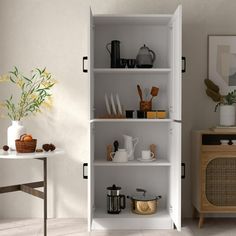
point(145, 105)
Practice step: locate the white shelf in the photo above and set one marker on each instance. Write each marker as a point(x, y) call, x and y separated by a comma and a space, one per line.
point(131, 70)
point(158, 162)
point(107, 19)
point(131, 120)
point(127, 220)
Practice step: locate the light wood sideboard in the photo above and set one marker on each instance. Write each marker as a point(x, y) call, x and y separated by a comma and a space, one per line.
point(213, 173)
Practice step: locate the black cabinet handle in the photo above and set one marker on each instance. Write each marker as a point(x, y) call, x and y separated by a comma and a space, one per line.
point(85, 70)
point(183, 170)
point(183, 64)
point(85, 176)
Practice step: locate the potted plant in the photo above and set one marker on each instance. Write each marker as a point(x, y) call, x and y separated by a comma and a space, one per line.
point(34, 92)
point(224, 102)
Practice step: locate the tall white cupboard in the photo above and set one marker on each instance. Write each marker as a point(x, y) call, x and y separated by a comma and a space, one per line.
point(163, 34)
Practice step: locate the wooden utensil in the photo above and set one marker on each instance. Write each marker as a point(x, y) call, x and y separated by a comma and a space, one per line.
point(109, 151)
point(140, 92)
point(154, 92)
point(146, 93)
point(153, 148)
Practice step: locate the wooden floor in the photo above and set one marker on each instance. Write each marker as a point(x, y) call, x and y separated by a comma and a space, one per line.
point(78, 227)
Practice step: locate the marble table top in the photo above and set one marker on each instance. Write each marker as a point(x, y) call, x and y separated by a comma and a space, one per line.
point(34, 155)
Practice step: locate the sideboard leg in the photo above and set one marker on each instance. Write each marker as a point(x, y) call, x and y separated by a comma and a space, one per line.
point(201, 220)
point(45, 195)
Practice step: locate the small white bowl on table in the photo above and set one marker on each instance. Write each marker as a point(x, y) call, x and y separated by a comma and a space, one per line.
point(225, 141)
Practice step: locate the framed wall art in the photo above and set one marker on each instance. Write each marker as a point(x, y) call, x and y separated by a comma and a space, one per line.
point(222, 61)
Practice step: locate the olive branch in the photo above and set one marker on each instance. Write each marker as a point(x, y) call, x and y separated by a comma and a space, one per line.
point(35, 92)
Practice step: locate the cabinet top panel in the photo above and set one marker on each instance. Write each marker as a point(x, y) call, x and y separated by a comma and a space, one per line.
point(132, 19)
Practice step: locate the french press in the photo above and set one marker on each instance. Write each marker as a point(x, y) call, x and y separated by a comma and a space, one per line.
point(115, 201)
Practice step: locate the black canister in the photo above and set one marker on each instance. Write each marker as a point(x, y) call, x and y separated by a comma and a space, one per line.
point(141, 114)
point(129, 113)
point(114, 53)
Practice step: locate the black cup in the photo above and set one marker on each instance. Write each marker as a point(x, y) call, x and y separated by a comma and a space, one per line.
point(129, 113)
point(141, 114)
point(123, 62)
point(131, 63)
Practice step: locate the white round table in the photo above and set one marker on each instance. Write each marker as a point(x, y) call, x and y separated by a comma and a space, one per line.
point(30, 188)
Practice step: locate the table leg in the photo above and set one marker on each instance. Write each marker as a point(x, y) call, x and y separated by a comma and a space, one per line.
point(45, 194)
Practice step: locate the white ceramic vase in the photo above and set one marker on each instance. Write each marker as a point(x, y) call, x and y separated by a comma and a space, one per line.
point(14, 132)
point(227, 115)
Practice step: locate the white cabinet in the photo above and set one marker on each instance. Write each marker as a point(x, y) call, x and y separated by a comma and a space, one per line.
point(161, 33)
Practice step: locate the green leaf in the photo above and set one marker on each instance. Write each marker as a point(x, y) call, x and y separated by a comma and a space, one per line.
point(39, 71)
point(12, 80)
point(33, 76)
point(16, 69)
point(27, 79)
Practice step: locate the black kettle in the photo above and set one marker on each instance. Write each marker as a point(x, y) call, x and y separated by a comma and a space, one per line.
point(114, 53)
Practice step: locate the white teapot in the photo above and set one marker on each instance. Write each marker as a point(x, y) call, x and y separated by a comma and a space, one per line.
point(119, 156)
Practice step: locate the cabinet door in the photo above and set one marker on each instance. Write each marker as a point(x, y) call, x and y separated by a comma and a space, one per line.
point(176, 60)
point(91, 150)
point(175, 174)
point(91, 64)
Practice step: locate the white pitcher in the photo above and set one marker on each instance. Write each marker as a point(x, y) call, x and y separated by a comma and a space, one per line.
point(130, 144)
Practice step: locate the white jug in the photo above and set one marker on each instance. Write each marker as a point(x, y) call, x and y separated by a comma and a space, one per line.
point(130, 144)
point(119, 156)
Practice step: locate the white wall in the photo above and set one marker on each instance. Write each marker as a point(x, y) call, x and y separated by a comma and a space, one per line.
point(53, 33)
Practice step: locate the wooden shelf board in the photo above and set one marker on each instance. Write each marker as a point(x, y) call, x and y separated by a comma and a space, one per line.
point(131, 120)
point(127, 220)
point(158, 162)
point(130, 70)
point(218, 148)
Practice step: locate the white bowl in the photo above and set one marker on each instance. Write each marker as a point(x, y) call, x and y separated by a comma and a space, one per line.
point(233, 141)
point(224, 141)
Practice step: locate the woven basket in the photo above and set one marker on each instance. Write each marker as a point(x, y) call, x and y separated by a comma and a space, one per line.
point(26, 146)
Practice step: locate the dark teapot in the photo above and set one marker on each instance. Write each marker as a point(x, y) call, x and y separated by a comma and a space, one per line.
point(145, 57)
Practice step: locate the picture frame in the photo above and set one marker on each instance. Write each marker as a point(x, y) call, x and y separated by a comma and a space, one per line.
point(222, 61)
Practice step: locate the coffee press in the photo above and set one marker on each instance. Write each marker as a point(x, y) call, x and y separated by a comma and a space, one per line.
point(115, 201)
point(114, 53)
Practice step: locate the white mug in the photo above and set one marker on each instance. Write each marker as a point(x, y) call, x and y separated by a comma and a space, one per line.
point(147, 155)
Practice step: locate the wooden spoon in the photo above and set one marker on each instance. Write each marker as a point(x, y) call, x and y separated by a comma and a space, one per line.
point(154, 92)
point(140, 92)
